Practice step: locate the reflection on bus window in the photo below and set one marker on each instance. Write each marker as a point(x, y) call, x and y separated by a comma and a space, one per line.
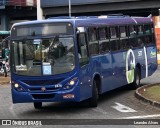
point(93, 42)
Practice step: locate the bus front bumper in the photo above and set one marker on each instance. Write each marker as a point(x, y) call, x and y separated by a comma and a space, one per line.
point(59, 96)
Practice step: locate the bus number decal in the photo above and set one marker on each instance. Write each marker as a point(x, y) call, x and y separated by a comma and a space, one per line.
point(130, 66)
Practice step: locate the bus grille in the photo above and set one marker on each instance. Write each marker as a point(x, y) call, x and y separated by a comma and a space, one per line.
point(42, 82)
point(43, 96)
point(40, 90)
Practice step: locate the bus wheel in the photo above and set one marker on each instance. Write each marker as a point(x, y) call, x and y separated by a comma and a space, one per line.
point(136, 82)
point(38, 105)
point(94, 99)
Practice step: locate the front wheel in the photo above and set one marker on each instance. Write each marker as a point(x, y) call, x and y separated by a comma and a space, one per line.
point(38, 105)
point(94, 99)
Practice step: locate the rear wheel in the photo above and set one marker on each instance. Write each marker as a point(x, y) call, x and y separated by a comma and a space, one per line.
point(94, 99)
point(38, 105)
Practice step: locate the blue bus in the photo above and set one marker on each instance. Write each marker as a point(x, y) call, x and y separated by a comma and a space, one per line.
point(79, 58)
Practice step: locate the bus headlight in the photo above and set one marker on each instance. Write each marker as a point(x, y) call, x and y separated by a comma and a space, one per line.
point(17, 87)
point(71, 83)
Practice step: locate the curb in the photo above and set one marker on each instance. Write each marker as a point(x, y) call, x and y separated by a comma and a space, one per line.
point(5, 82)
point(141, 97)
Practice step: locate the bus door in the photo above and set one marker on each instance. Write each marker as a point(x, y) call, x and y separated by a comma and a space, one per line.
point(85, 68)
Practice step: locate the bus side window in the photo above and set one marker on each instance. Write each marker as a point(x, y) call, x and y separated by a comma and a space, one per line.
point(103, 40)
point(153, 34)
point(82, 49)
point(124, 42)
point(148, 35)
point(132, 36)
point(114, 40)
point(93, 42)
point(140, 35)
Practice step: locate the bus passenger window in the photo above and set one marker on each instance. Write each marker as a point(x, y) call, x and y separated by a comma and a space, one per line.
point(153, 36)
point(103, 40)
point(132, 36)
point(82, 49)
point(102, 33)
point(124, 42)
point(140, 36)
point(147, 29)
point(114, 40)
point(148, 35)
point(93, 42)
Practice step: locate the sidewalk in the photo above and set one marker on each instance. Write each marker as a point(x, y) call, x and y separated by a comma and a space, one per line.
point(150, 94)
point(4, 80)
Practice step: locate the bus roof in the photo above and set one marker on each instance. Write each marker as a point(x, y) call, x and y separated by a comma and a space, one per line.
point(93, 20)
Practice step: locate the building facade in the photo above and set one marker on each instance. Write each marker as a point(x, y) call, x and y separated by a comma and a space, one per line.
point(12, 11)
point(100, 7)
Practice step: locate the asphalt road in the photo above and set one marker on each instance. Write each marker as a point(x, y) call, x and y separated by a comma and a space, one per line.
point(117, 104)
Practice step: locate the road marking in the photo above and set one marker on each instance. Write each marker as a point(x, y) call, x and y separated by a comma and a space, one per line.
point(141, 117)
point(12, 111)
point(100, 110)
point(122, 108)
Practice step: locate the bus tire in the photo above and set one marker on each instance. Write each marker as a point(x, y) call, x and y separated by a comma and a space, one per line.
point(38, 105)
point(137, 78)
point(94, 99)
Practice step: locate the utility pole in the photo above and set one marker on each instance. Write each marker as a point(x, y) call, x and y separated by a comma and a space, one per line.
point(39, 11)
point(69, 2)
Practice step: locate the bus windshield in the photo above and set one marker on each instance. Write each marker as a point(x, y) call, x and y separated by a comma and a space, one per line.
point(38, 57)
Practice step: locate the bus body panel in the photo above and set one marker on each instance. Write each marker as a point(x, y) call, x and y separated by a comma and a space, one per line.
point(85, 84)
point(106, 72)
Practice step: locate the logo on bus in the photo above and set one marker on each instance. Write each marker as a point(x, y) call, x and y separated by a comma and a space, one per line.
point(43, 89)
point(153, 53)
point(130, 66)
